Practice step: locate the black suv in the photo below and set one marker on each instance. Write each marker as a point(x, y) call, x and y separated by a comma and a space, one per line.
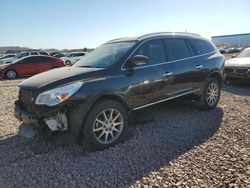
point(94, 99)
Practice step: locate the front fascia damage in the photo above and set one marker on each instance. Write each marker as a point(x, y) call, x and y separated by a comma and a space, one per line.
point(68, 116)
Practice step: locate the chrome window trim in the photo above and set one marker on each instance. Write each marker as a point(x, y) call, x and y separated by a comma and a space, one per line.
point(163, 100)
point(146, 66)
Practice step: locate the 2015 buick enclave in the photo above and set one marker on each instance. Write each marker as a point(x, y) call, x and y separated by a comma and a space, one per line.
point(94, 99)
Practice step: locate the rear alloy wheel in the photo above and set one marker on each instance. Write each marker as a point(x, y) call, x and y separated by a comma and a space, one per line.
point(211, 94)
point(106, 125)
point(11, 74)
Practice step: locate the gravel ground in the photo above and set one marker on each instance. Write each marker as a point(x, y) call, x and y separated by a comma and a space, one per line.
point(171, 145)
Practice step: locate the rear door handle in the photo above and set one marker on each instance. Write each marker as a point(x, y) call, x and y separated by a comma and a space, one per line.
point(199, 67)
point(168, 74)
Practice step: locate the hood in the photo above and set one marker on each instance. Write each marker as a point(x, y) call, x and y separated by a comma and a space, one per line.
point(238, 62)
point(60, 76)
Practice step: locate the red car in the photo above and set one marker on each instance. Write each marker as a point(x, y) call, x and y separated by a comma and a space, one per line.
point(29, 66)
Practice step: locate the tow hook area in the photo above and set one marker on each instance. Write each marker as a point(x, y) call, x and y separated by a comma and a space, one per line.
point(57, 122)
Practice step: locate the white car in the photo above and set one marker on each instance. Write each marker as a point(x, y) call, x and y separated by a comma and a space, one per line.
point(7, 58)
point(73, 57)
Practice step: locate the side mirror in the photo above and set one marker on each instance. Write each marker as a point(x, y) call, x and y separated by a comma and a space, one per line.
point(139, 60)
point(233, 56)
point(136, 61)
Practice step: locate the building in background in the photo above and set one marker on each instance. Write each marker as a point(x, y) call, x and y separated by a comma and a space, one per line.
point(232, 40)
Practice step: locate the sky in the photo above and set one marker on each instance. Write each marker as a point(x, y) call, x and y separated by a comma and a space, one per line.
point(71, 24)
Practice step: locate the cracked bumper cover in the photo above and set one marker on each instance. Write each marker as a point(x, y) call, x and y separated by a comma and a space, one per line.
point(75, 117)
point(55, 122)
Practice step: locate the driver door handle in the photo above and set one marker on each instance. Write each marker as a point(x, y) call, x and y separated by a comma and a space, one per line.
point(199, 67)
point(168, 74)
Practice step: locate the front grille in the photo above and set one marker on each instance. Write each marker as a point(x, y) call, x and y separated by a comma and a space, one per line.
point(241, 70)
point(27, 100)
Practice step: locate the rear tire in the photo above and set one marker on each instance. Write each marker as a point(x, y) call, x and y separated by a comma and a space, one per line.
point(11, 74)
point(210, 95)
point(106, 125)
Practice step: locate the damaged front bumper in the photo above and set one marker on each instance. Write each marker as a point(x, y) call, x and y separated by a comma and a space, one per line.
point(55, 120)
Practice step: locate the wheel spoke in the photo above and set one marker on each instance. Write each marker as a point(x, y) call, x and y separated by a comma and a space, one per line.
point(106, 137)
point(112, 135)
point(104, 115)
point(101, 122)
point(116, 117)
point(98, 129)
point(115, 129)
point(111, 114)
point(103, 132)
point(118, 123)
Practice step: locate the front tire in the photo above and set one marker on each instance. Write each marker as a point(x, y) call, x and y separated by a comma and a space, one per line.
point(11, 74)
point(210, 95)
point(106, 125)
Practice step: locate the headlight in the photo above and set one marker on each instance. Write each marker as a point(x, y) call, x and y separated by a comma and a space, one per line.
point(58, 95)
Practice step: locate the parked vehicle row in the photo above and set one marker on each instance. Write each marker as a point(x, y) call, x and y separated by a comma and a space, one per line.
point(73, 57)
point(237, 69)
point(95, 98)
point(29, 65)
point(227, 50)
point(69, 58)
point(10, 58)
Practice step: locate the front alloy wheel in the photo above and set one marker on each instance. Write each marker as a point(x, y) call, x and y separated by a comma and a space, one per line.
point(106, 124)
point(11, 74)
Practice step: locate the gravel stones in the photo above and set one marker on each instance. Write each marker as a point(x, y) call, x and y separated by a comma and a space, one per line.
point(171, 145)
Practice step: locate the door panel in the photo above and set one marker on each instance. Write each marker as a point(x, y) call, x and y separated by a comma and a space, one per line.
point(157, 76)
point(187, 73)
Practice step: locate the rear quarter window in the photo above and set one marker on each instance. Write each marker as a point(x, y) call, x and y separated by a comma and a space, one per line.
point(178, 48)
point(201, 46)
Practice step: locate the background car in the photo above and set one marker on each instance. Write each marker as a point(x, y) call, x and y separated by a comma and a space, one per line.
point(24, 54)
point(29, 66)
point(59, 55)
point(21, 55)
point(237, 69)
point(73, 57)
point(7, 56)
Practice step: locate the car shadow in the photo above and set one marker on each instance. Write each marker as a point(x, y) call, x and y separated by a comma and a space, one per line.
point(242, 89)
point(160, 134)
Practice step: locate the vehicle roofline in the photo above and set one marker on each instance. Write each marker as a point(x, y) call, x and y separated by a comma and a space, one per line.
point(156, 35)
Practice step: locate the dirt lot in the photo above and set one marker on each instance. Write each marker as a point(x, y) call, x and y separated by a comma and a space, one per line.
point(171, 144)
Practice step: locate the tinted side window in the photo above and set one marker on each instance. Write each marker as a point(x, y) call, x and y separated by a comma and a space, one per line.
point(201, 46)
point(178, 48)
point(33, 53)
point(23, 55)
point(43, 53)
point(43, 59)
point(154, 50)
point(27, 60)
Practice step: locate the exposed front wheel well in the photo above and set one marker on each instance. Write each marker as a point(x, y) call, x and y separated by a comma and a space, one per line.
point(217, 76)
point(112, 97)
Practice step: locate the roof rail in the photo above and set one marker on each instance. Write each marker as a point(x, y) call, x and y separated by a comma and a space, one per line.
point(168, 33)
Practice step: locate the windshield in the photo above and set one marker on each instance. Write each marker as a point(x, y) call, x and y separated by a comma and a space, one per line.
point(105, 55)
point(245, 53)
